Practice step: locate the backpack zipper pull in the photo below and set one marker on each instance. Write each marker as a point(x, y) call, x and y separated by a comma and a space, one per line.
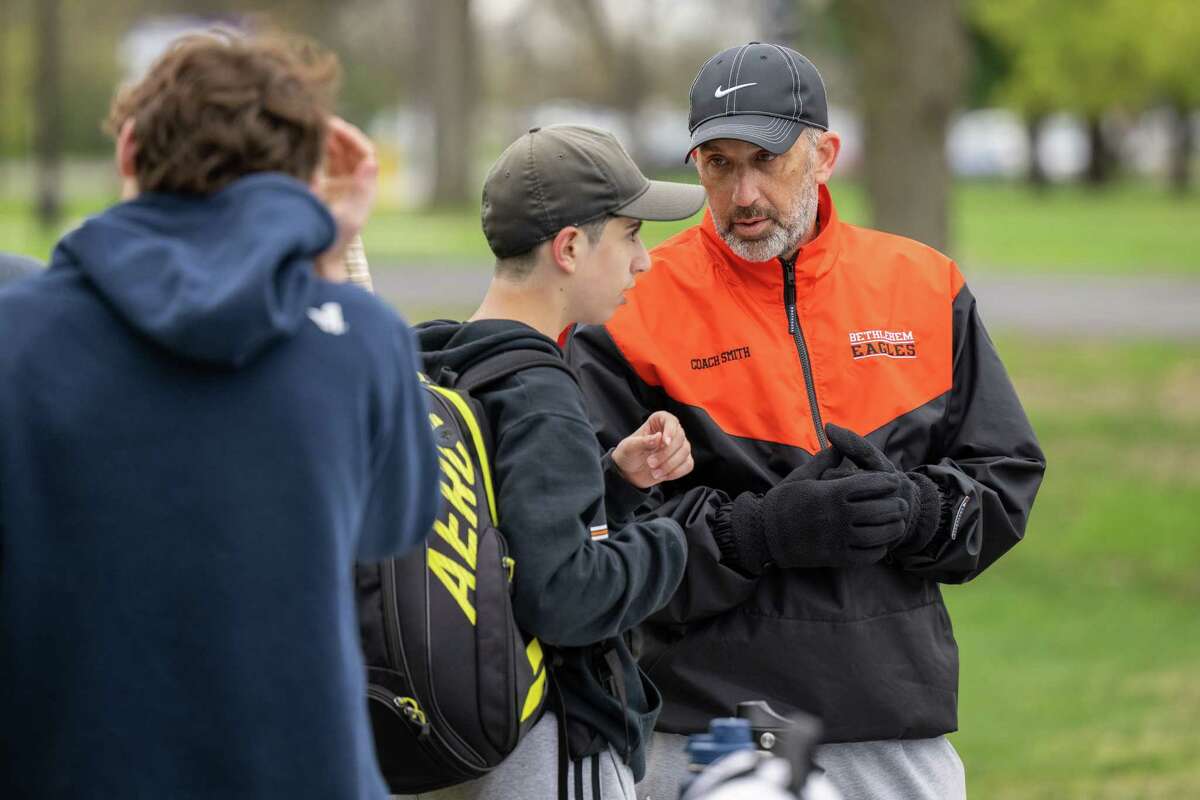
point(413, 713)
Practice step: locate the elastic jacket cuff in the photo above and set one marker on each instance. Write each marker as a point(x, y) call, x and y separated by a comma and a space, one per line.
point(621, 498)
point(926, 521)
point(738, 532)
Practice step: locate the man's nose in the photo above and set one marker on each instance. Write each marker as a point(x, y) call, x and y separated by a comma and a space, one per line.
point(745, 189)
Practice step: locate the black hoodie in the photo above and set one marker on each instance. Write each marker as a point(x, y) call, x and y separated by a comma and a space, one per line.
point(572, 590)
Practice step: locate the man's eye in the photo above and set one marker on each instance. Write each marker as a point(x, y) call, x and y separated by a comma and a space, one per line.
point(763, 155)
point(716, 161)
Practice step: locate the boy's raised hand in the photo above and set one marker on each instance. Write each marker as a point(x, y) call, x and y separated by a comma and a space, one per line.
point(346, 184)
point(657, 451)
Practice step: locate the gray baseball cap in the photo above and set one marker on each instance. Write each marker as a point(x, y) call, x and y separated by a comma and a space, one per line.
point(564, 175)
point(759, 93)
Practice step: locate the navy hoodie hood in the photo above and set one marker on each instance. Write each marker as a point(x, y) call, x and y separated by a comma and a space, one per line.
point(200, 276)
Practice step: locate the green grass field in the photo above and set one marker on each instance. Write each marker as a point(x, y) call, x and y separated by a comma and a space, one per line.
point(1132, 228)
point(1081, 648)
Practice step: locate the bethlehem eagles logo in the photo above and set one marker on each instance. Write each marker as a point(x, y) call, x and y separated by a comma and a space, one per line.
point(889, 344)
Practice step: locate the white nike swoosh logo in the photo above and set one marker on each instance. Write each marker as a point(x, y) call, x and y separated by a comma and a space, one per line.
point(722, 92)
point(329, 318)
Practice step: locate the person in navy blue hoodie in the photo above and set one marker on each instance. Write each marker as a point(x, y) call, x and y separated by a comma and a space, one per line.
point(199, 436)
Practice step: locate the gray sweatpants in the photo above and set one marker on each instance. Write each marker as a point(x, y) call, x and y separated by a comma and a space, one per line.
point(531, 773)
point(913, 769)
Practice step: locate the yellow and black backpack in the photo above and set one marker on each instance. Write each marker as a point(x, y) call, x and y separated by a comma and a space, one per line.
point(453, 683)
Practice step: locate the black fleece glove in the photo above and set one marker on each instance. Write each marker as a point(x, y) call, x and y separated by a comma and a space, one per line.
point(920, 494)
point(806, 522)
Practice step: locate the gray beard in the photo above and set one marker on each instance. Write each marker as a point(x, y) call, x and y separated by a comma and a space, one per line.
point(788, 234)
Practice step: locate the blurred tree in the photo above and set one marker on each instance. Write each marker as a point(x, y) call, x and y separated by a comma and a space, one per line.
point(371, 37)
point(1172, 56)
point(625, 83)
point(16, 63)
point(1073, 56)
point(6, 29)
point(90, 39)
point(449, 68)
point(992, 65)
point(785, 19)
point(48, 118)
point(377, 40)
point(91, 70)
point(587, 58)
point(912, 64)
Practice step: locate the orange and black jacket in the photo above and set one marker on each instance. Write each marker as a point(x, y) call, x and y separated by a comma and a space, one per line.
point(873, 332)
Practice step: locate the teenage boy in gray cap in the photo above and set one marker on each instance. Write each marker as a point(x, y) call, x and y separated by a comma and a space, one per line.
point(562, 208)
point(856, 439)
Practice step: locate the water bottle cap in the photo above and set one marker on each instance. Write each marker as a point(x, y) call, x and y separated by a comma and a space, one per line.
point(725, 735)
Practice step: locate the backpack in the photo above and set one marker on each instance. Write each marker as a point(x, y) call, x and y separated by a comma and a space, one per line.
point(452, 682)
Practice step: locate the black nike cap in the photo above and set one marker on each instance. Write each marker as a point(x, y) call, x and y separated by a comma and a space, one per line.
point(759, 93)
point(564, 175)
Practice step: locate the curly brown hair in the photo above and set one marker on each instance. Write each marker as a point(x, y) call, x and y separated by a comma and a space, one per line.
point(216, 107)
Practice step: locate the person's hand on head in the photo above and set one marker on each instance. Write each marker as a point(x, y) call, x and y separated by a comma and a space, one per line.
point(346, 184)
point(657, 451)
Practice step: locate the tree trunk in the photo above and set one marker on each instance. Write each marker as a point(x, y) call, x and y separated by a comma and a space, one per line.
point(624, 67)
point(1036, 174)
point(784, 19)
point(1183, 143)
point(1100, 159)
point(631, 81)
point(5, 70)
point(449, 56)
point(912, 58)
point(48, 118)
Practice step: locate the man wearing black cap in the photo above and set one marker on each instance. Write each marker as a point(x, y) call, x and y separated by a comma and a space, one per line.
point(856, 442)
point(562, 208)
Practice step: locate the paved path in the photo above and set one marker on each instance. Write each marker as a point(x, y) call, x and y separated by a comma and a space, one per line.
point(1071, 307)
point(1092, 307)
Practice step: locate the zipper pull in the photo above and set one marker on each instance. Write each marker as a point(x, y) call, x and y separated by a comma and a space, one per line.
point(789, 293)
point(413, 713)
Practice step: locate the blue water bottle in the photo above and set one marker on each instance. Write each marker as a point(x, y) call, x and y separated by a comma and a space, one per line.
point(725, 735)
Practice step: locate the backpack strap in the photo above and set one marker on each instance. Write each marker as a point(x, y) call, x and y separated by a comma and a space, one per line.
point(616, 671)
point(498, 367)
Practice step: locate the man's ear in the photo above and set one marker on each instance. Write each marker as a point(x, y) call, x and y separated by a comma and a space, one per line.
point(825, 155)
point(567, 246)
point(127, 160)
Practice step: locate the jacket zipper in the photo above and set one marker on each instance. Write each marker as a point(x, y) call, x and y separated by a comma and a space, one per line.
point(789, 301)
